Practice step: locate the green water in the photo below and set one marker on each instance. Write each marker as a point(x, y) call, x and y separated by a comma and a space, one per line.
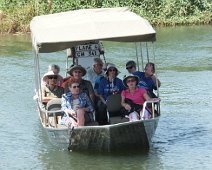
point(183, 137)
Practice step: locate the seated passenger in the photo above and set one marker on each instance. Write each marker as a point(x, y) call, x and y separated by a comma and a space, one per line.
point(77, 105)
point(109, 85)
point(51, 90)
point(95, 71)
point(131, 67)
point(133, 98)
point(99, 78)
point(56, 69)
point(77, 72)
point(147, 79)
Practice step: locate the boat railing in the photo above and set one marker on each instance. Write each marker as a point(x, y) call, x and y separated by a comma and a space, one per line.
point(155, 107)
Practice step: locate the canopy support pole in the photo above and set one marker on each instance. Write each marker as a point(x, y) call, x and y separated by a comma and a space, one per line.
point(136, 47)
point(147, 53)
point(153, 46)
point(142, 59)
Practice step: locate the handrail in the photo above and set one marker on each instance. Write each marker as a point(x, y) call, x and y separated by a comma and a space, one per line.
point(153, 108)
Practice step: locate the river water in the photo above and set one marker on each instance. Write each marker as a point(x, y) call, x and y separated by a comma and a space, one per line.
point(183, 139)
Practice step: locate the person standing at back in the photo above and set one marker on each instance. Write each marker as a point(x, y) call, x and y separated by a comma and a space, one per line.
point(95, 71)
point(147, 79)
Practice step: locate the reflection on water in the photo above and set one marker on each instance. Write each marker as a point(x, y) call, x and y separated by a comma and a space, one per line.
point(182, 139)
point(107, 161)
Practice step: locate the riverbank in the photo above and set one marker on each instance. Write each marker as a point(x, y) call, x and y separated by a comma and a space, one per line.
point(16, 16)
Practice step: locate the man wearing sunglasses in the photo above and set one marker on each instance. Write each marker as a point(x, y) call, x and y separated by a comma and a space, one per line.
point(131, 66)
point(147, 79)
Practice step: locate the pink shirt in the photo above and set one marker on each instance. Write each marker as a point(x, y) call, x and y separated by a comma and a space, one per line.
point(136, 97)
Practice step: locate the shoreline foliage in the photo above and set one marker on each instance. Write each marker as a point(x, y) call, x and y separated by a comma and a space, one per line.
point(15, 15)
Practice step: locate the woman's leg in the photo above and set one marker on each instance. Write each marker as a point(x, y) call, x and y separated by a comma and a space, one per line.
point(80, 117)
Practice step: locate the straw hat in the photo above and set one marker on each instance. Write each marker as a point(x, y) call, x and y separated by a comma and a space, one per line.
point(51, 73)
point(109, 65)
point(130, 76)
point(76, 67)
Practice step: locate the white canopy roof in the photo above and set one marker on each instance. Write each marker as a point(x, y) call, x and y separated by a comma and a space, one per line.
point(60, 31)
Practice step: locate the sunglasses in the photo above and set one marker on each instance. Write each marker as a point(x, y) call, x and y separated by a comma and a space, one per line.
point(111, 70)
point(75, 87)
point(52, 77)
point(77, 72)
point(99, 65)
point(130, 80)
point(129, 67)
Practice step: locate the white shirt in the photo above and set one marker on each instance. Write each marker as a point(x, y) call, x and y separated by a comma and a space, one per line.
point(91, 75)
point(76, 103)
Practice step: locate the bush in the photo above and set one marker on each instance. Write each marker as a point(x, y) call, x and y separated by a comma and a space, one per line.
point(15, 15)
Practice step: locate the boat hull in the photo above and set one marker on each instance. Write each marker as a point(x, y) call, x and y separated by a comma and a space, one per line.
point(121, 136)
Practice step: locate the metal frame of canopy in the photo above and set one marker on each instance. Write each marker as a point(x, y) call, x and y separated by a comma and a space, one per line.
point(61, 31)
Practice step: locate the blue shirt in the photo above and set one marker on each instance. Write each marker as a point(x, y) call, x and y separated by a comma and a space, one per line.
point(107, 88)
point(145, 82)
point(84, 101)
point(97, 83)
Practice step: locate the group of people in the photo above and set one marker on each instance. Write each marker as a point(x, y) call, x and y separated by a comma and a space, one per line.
point(84, 92)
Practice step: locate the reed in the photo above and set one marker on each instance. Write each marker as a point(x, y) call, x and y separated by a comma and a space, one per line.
point(15, 15)
point(16, 19)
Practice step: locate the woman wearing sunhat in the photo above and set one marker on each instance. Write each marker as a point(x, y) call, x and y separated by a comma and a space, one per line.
point(108, 85)
point(77, 72)
point(56, 69)
point(51, 90)
point(133, 97)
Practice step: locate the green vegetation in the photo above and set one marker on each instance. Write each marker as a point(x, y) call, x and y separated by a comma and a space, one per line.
point(15, 15)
